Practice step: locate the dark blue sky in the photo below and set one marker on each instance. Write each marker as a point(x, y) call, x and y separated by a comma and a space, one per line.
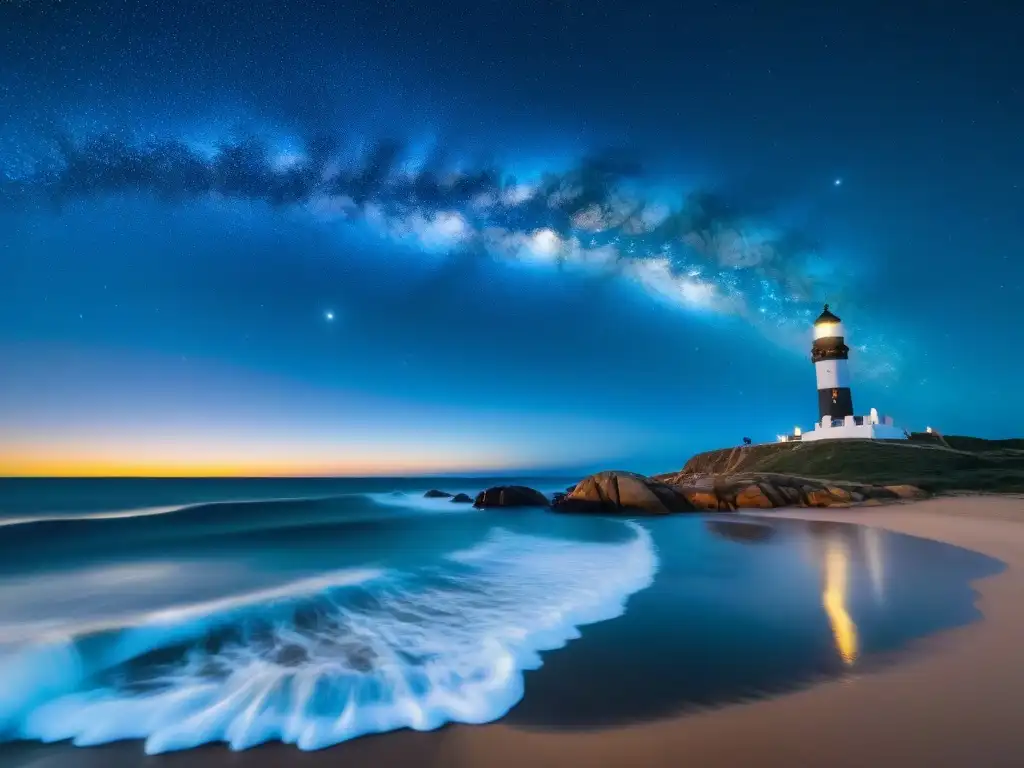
point(363, 237)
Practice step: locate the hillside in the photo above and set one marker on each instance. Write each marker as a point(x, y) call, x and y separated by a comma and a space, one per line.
point(932, 463)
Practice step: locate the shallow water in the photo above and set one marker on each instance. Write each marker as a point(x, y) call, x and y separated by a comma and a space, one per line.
point(188, 612)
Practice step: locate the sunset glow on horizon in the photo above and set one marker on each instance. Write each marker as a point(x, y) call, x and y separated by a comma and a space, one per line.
point(84, 465)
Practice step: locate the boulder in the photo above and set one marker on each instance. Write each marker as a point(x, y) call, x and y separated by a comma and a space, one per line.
point(461, 498)
point(839, 494)
point(790, 495)
point(624, 493)
point(510, 496)
point(877, 493)
point(753, 497)
point(774, 493)
point(906, 491)
point(436, 494)
point(817, 497)
point(701, 499)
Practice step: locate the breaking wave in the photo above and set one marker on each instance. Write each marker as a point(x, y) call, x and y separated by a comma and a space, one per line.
point(321, 661)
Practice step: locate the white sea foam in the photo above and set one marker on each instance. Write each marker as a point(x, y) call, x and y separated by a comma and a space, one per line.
point(322, 661)
point(110, 515)
point(416, 499)
point(121, 514)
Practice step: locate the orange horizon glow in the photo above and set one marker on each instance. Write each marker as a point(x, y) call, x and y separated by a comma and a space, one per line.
point(253, 459)
point(55, 467)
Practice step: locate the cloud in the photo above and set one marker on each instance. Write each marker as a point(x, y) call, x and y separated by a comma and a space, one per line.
point(659, 277)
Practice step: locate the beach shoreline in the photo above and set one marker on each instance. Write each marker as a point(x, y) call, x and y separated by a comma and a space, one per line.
point(951, 700)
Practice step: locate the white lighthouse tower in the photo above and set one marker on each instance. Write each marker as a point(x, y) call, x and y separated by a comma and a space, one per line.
point(836, 418)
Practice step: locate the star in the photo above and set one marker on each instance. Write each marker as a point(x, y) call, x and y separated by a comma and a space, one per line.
point(329, 315)
point(838, 182)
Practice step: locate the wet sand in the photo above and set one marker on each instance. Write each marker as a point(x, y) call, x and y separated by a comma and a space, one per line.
point(953, 699)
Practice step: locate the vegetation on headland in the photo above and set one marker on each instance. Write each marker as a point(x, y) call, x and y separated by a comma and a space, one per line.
point(934, 463)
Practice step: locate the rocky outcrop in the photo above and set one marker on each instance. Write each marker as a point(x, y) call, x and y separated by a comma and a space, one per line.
point(627, 493)
point(436, 494)
point(770, 491)
point(461, 498)
point(510, 496)
point(623, 493)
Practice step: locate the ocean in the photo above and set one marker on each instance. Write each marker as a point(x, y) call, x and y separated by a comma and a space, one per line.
point(185, 612)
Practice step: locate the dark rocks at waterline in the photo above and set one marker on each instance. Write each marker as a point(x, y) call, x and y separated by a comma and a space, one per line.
point(624, 493)
point(433, 493)
point(461, 498)
point(510, 496)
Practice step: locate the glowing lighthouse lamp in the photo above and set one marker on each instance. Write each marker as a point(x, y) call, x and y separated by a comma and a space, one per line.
point(836, 419)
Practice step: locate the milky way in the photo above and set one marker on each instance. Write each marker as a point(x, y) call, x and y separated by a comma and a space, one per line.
point(700, 249)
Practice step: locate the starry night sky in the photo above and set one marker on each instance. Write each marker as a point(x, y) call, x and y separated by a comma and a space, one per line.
point(412, 237)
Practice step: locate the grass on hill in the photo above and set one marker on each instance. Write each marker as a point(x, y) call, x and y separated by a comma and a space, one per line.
point(968, 463)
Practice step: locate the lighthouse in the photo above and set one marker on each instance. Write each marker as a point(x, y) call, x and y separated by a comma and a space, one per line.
point(836, 419)
point(830, 354)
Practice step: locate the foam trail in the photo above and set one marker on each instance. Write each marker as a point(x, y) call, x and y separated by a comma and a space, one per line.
point(114, 515)
point(122, 514)
point(416, 500)
point(405, 649)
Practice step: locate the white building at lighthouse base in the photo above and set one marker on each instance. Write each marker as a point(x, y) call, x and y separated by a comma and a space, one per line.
point(870, 427)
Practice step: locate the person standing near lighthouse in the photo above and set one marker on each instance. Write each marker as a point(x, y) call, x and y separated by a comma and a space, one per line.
point(830, 354)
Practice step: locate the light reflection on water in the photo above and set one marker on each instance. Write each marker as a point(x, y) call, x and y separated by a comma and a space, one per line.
point(837, 563)
point(872, 539)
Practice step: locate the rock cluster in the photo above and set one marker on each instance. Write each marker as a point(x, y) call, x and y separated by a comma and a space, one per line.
point(768, 491)
point(629, 493)
point(620, 493)
point(510, 496)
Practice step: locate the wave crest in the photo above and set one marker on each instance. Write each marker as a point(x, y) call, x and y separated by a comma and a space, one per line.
point(405, 649)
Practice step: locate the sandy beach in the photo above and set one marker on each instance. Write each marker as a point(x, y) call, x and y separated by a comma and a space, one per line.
point(952, 699)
